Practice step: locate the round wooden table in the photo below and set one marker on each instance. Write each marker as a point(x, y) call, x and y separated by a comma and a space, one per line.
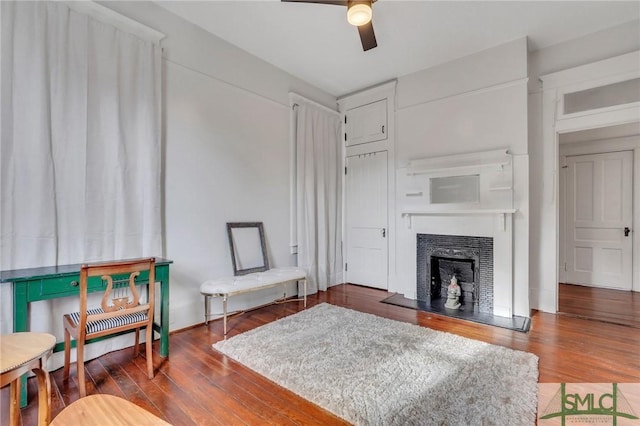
point(19, 354)
point(102, 409)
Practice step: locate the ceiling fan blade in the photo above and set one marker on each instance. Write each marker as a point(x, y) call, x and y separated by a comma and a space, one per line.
point(333, 2)
point(367, 36)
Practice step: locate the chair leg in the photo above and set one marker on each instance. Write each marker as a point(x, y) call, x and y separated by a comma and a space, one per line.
point(136, 345)
point(82, 386)
point(44, 396)
point(149, 346)
point(14, 408)
point(67, 353)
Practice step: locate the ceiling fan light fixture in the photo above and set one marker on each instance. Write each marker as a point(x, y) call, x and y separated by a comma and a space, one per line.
point(359, 13)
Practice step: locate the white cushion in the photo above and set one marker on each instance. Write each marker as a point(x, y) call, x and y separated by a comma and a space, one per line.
point(249, 282)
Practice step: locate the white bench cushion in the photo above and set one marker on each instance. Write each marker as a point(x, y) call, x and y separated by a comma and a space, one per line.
point(241, 284)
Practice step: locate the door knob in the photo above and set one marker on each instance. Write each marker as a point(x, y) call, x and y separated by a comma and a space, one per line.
point(626, 231)
point(384, 232)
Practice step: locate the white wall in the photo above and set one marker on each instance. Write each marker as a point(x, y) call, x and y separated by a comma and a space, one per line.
point(476, 103)
point(593, 47)
point(604, 44)
point(226, 129)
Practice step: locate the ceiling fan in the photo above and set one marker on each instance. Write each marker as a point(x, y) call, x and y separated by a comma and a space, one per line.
point(358, 14)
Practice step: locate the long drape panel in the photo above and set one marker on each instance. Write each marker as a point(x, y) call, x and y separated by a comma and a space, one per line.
point(319, 198)
point(80, 157)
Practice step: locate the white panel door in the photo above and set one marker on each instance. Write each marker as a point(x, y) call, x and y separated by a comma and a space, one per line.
point(599, 208)
point(366, 220)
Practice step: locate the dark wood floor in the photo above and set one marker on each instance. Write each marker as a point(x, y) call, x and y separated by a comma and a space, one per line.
point(601, 304)
point(197, 385)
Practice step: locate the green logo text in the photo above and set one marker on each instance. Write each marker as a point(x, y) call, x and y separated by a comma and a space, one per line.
point(565, 404)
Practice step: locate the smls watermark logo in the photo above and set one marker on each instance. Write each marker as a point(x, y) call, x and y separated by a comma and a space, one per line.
point(615, 404)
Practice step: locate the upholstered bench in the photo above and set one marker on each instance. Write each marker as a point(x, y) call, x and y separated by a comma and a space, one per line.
point(232, 286)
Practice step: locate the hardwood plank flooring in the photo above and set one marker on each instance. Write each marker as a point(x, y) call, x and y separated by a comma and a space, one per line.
point(198, 386)
point(601, 304)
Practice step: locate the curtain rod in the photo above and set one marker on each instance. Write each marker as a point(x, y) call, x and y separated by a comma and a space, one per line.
point(296, 97)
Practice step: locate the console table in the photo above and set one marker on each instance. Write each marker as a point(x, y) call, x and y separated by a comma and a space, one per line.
point(51, 282)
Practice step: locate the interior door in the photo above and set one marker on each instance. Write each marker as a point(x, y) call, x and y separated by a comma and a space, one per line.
point(366, 220)
point(599, 208)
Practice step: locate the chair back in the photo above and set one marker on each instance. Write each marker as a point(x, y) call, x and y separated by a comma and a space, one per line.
point(119, 281)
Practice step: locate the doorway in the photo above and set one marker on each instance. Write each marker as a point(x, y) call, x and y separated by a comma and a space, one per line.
point(597, 109)
point(595, 225)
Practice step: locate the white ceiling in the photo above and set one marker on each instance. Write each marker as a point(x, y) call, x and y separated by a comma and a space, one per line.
point(315, 43)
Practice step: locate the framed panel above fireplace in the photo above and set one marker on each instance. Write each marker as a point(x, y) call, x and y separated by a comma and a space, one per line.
point(454, 189)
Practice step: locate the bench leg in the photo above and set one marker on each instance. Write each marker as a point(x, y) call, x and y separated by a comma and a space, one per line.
point(206, 308)
point(224, 313)
point(305, 293)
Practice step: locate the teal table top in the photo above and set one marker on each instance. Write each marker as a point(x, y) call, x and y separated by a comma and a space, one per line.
point(52, 271)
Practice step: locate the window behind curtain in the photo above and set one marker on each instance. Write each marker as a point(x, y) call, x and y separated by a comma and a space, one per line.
point(80, 151)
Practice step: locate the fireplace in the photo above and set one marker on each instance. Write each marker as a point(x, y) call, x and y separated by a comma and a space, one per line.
point(469, 258)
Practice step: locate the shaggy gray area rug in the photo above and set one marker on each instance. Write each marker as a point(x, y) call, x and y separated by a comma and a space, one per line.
point(375, 371)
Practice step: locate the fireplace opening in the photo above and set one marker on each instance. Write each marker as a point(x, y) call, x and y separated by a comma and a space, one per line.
point(444, 268)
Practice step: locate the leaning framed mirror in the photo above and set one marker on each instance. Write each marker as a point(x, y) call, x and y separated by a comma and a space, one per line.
point(248, 247)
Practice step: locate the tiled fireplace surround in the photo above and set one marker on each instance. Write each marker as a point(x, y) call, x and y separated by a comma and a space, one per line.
point(438, 255)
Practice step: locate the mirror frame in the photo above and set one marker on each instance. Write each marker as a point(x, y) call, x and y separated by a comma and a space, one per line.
point(263, 246)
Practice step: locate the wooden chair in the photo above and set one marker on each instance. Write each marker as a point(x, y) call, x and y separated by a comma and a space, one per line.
point(19, 354)
point(120, 310)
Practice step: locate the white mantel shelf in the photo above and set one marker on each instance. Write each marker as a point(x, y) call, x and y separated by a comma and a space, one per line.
point(459, 211)
point(408, 214)
point(471, 162)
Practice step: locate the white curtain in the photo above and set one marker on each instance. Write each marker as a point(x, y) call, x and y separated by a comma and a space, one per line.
point(80, 157)
point(319, 195)
point(81, 139)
